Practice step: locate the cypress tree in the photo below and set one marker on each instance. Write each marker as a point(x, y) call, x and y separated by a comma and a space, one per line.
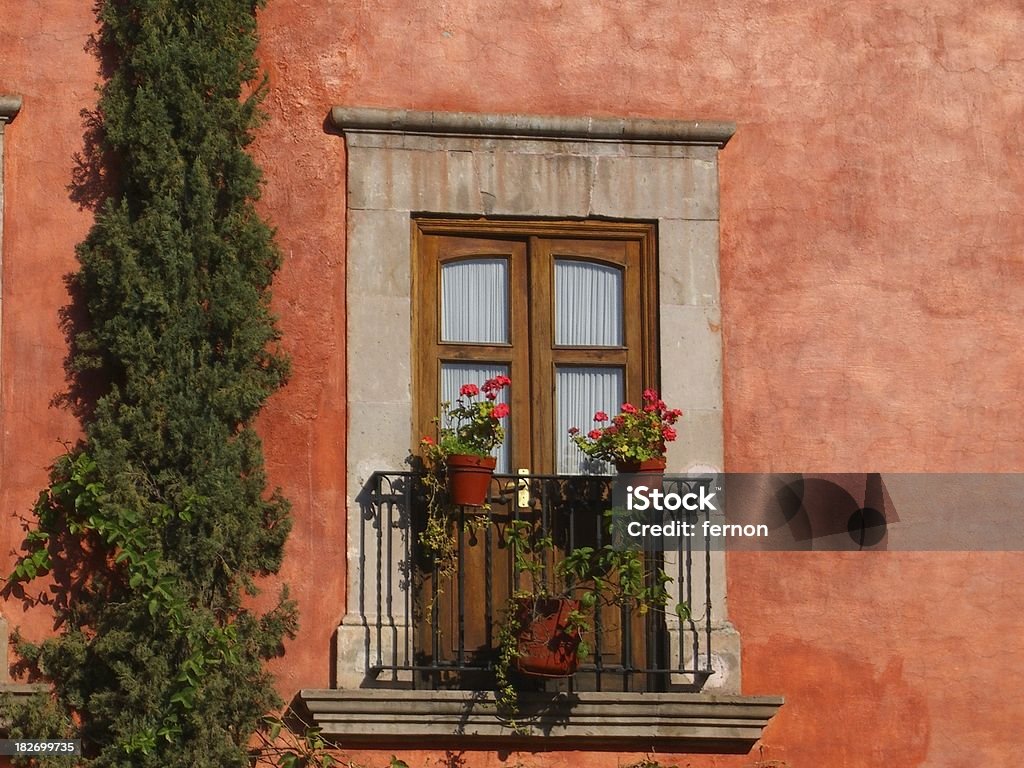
point(157, 524)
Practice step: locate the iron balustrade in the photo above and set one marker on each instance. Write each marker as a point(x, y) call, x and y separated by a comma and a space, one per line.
point(423, 630)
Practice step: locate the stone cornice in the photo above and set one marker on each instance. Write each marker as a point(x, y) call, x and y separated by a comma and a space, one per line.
point(684, 132)
point(703, 722)
point(9, 107)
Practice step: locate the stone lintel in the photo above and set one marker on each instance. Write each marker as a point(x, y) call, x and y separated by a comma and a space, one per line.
point(638, 721)
point(9, 107)
point(406, 121)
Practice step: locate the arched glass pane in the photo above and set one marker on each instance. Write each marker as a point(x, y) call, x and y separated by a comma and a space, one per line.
point(588, 304)
point(579, 392)
point(454, 375)
point(474, 301)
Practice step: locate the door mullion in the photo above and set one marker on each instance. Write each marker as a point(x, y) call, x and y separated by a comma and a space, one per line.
point(541, 348)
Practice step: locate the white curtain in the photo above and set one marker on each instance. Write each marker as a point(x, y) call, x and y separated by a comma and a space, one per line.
point(588, 304)
point(474, 301)
point(579, 392)
point(454, 375)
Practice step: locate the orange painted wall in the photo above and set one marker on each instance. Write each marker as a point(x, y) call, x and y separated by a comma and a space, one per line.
point(872, 290)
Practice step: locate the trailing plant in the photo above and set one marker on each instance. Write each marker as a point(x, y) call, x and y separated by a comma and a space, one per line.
point(441, 527)
point(156, 526)
point(472, 426)
point(635, 434)
point(609, 576)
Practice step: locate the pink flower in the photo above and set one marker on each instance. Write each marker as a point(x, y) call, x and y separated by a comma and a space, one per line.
point(600, 416)
point(628, 408)
point(472, 390)
point(651, 394)
point(500, 411)
point(594, 434)
point(668, 433)
point(619, 420)
point(492, 395)
point(574, 430)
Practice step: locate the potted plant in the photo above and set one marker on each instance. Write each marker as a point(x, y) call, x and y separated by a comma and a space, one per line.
point(468, 432)
point(634, 440)
point(548, 616)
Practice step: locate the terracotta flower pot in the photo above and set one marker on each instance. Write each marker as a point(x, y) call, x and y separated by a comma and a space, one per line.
point(546, 647)
point(647, 466)
point(469, 477)
point(649, 473)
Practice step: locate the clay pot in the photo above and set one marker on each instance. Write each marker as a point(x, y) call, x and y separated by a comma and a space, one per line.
point(546, 646)
point(469, 477)
point(647, 466)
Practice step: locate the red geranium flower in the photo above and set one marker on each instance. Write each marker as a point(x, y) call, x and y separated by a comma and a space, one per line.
point(469, 425)
point(633, 434)
point(497, 383)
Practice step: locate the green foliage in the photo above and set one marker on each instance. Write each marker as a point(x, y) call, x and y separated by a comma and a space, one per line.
point(156, 526)
point(635, 434)
point(282, 747)
point(471, 426)
point(608, 575)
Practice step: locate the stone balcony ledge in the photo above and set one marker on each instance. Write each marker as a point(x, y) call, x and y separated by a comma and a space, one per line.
point(637, 721)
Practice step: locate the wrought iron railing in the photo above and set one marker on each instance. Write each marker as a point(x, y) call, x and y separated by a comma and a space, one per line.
point(428, 629)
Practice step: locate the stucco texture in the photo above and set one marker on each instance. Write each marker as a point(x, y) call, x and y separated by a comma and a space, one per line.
point(872, 292)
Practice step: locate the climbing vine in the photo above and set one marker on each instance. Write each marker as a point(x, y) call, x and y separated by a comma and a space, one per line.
point(156, 526)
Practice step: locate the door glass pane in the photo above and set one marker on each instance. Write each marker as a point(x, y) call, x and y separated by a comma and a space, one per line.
point(579, 392)
point(454, 375)
point(474, 301)
point(588, 304)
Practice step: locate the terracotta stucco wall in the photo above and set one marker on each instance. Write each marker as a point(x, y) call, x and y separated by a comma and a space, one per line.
point(871, 289)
